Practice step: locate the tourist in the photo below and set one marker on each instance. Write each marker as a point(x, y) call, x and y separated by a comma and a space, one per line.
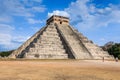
point(116, 59)
point(103, 59)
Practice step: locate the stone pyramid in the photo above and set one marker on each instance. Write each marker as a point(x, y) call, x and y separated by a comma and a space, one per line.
point(58, 40)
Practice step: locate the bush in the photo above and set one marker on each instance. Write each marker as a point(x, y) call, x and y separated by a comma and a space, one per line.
point(5, 53)
point(115, 50)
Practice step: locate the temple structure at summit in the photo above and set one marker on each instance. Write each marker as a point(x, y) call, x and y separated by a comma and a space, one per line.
point(59, 40)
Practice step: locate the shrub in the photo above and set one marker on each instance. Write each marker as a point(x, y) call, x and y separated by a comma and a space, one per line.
point(5, 53)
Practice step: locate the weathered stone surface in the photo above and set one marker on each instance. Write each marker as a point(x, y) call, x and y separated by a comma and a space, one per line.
point(58, 40)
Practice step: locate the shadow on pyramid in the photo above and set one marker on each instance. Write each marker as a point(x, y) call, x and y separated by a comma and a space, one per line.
point(58, 40)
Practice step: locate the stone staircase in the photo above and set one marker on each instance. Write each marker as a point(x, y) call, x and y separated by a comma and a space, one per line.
point(24, 48)
point(95, 50)
point(46, 46)
point(78, 50)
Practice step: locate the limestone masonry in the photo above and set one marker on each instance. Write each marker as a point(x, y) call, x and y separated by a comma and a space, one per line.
point(58, 40)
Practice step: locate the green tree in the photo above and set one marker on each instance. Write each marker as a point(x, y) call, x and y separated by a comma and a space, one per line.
point(115, 50)
point(5, 53)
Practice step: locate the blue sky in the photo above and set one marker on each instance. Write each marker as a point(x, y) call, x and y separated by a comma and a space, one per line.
point(99, 20)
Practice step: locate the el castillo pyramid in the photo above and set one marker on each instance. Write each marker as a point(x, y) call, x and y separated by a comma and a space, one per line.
point(59, 40)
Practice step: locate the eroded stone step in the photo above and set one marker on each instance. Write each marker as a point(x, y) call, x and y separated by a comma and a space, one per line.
point(47, 52)
point(44, 39)
point(51, 48)
point(48, 37)
point(48, 46)
point(51, 34)
point(47, 56)
point(50, 42)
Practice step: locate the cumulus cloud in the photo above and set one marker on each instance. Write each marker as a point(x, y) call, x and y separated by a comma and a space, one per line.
point(20, 10)
point(89, 16)
point(84, 14)
point(5, 35)
point(13, 7)
point(8, 40)
point(60, 13)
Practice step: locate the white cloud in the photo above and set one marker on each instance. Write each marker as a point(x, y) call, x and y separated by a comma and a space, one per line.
point(20, 10)
point(8, 40)
point(4, 28)
point(5, 19)
point(20, 39)
point(39, 9)
point(38, 1)
point(60, 13)
point(5, 39)
point(85, 16)
point(35, 29)
point(5, 35)
point(33, 21)
point(17, 8)
point(31, 2)
point(13, 7)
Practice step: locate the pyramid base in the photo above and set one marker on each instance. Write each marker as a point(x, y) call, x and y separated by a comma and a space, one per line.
point(46, 56)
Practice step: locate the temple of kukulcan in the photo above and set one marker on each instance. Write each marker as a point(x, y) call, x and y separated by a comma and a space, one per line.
point(59, 40)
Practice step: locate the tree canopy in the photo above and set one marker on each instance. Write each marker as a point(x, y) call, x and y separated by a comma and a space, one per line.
point(114, 50)
point(5, 53)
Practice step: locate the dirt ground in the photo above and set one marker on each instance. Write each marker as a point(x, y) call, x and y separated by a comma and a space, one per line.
point(59, 70)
